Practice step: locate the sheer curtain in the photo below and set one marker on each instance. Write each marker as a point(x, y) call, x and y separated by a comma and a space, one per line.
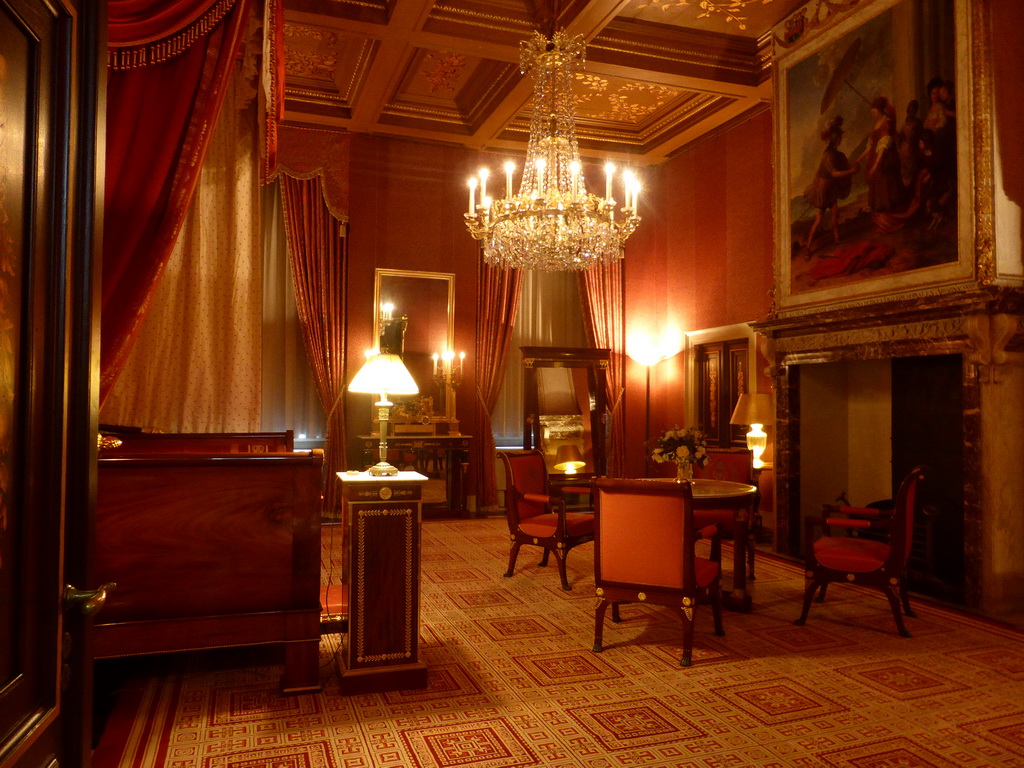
point(290, 399)
point(195, 366)
point(549, 315)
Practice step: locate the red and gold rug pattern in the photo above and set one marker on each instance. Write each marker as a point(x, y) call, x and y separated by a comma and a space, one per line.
point(513, 683)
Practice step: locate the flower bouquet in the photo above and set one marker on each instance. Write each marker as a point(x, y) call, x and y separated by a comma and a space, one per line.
point(684, 447)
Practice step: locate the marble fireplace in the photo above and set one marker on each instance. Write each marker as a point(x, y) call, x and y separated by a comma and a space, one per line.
point(978, 335)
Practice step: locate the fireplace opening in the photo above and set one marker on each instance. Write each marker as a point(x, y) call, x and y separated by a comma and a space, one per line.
point(863, 425)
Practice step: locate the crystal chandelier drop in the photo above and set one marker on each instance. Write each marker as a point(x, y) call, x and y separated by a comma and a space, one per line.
point(553, 223)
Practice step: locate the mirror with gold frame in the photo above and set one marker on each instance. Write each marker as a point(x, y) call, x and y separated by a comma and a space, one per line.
point(414, 317)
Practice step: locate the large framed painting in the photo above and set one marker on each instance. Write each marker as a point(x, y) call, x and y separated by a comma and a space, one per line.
point(882, 151)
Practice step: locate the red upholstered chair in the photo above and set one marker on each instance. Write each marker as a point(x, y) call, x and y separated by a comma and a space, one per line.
point(644, 551)
point(861, 560)
point(737, 466)
point(536, 516)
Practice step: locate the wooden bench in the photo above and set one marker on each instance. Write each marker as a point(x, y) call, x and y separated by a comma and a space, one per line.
point(211, 552)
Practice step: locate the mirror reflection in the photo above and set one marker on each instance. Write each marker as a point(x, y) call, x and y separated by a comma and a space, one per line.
point(564, 407)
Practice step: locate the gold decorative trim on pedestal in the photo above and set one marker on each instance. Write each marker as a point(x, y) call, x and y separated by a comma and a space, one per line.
point(409, 516)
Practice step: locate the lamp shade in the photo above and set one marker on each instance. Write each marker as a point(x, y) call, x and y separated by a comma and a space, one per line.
point(384, 374)
point(753, 409)
point(569, 459)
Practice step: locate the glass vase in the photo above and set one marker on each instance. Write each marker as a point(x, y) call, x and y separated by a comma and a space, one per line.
point(684, 471)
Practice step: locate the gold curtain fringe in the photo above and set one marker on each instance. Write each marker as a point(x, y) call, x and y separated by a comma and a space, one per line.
point(156, 52)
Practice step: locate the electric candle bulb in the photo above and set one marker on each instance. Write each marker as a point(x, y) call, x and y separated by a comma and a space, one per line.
point(627, 188)
point(472, 195)
point(609, 172)
point(636, 194)
point(435, 357)
point(509, 168)
point(484, 174)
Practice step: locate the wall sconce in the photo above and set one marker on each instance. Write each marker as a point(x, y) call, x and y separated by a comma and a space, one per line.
point(568, 459)
point(384, 374)
point(755, 411)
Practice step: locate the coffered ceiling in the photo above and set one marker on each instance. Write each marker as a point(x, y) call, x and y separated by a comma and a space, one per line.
point(659, 73)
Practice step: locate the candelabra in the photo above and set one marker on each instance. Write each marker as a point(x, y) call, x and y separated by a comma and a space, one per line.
point(448, 376)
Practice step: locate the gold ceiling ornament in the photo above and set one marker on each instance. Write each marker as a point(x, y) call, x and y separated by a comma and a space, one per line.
point(553, 223)
point(730, 9)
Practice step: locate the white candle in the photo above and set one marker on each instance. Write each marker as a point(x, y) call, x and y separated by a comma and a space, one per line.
point(472, 196)
point(448, 361)
point(636, 194)
point(509, 167)
point(462, 358)
point(435, 358)
point(484, 174)
point(609, 172)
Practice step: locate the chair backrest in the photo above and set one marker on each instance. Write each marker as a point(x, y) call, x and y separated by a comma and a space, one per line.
point(644, 534)
point(525, 472)
point(901, 536)
point(733, 464)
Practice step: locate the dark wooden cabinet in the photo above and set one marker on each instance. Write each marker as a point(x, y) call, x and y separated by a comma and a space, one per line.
point(722, 376)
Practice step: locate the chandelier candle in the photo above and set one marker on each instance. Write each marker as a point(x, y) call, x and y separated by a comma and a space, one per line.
point(553, 223)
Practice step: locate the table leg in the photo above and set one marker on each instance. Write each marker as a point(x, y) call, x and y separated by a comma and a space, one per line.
point(737, 598)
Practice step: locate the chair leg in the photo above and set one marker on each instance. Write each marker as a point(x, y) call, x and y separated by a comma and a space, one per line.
point(560, 558)
point(894, 603)
point(615, 613)
point(512, 559)
point(544, 560)
point(809, 591)
point(715, 597)
point(906, 599)
point(599, 623)
point(821, 595)
point(687, 659)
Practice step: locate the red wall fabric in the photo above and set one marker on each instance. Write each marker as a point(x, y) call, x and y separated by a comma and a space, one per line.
point(701, 258)
point(406, 204)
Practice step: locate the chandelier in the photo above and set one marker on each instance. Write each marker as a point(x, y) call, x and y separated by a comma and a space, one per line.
point(553, 223)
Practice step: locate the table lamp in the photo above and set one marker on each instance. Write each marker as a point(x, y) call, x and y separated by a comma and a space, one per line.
point(385, 374)
point(568, 459)
point(755, 411)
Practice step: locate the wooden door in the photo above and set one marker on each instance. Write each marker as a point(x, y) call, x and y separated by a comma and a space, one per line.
point(49, 86)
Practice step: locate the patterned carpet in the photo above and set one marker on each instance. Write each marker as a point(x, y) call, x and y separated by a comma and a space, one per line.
point(513, 683)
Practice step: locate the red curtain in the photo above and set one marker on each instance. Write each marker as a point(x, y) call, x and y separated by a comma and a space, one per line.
point(497, 304)
point(318, 257)
point(169, 65)
point(602, 289)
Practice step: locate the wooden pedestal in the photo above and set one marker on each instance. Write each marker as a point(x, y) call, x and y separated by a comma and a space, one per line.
point(382, 572)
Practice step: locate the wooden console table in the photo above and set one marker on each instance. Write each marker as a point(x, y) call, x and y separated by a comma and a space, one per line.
point(456, 453)
point(382, 576)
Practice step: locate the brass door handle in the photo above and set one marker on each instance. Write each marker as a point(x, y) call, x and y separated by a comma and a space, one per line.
point(85, 601)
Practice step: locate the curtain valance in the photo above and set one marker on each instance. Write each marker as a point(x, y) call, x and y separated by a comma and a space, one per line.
point(145, 32)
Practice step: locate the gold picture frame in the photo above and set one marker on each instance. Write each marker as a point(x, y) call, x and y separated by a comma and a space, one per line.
point(933, 233)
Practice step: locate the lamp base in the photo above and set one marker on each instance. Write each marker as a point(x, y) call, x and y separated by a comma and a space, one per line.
point(382, 469)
